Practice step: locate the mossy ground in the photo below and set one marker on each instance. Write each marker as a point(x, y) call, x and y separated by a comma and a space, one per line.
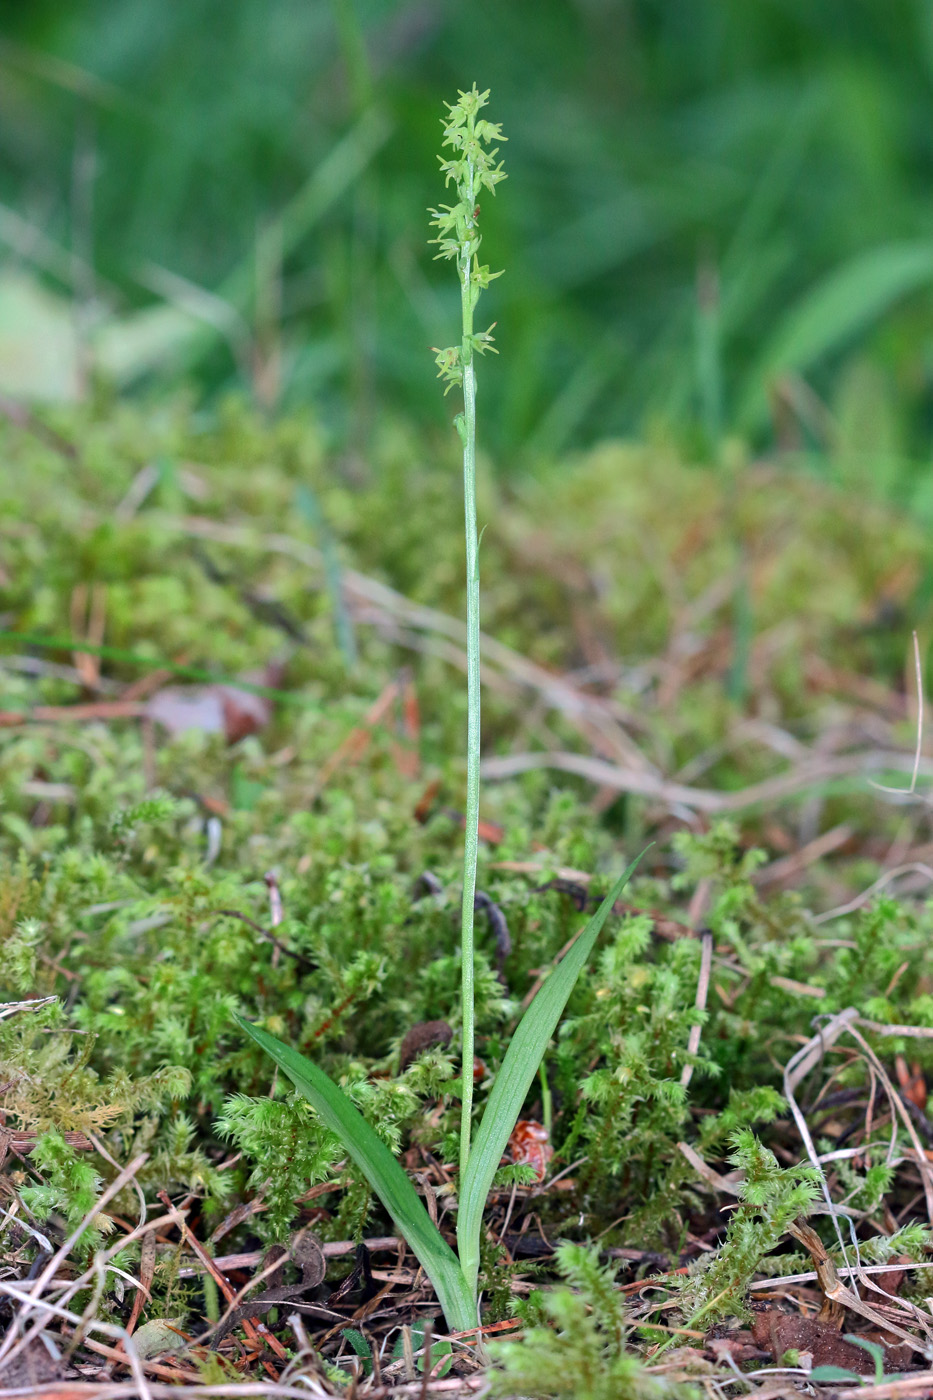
point(738, 620)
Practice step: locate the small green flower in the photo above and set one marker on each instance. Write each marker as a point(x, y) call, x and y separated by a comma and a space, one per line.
point(473, 168)
point(482, 341)
point(449, 366)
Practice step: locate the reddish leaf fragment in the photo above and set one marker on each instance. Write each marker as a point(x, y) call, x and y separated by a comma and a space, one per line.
point(244, 712)
point(529, 1143)
point(490, 832)
point(425, 805)
point(912, 1082)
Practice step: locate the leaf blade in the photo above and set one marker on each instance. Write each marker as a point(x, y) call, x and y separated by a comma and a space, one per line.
point(520, 1065)
point(382, 1172)
point(833, 313)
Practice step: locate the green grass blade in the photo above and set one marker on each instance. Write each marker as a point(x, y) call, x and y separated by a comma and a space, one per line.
point(524, 1055)
point(309, 508)
point(382, 1172)
point(833, 313)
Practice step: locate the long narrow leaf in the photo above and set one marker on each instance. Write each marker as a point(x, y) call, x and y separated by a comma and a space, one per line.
point(382, 1172)
point(834, 312)
point(518, 1069)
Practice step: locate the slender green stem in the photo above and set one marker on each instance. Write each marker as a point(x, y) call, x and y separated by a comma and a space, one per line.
point(471, 823)
point(473, 169)
point(547, 1102)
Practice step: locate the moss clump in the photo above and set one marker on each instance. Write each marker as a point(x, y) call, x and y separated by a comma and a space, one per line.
point(132, 862)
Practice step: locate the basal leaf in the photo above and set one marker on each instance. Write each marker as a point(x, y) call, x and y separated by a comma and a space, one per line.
point(382, 1172)
point(513, 1081)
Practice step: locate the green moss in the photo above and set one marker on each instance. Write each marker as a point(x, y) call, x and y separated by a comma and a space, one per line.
point(116, 898)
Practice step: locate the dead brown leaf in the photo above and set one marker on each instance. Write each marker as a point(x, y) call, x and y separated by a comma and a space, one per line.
point(215, 709)
point(780, 1332)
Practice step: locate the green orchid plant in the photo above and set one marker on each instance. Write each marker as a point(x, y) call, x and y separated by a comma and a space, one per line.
point(455, 1276)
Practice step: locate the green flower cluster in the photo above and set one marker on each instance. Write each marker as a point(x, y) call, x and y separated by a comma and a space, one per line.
point(473, 168)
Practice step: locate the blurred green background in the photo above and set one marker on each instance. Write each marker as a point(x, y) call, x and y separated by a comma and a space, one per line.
point(718, 220)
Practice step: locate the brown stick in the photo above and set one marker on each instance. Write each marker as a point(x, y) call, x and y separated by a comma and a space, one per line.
point(53, 714)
